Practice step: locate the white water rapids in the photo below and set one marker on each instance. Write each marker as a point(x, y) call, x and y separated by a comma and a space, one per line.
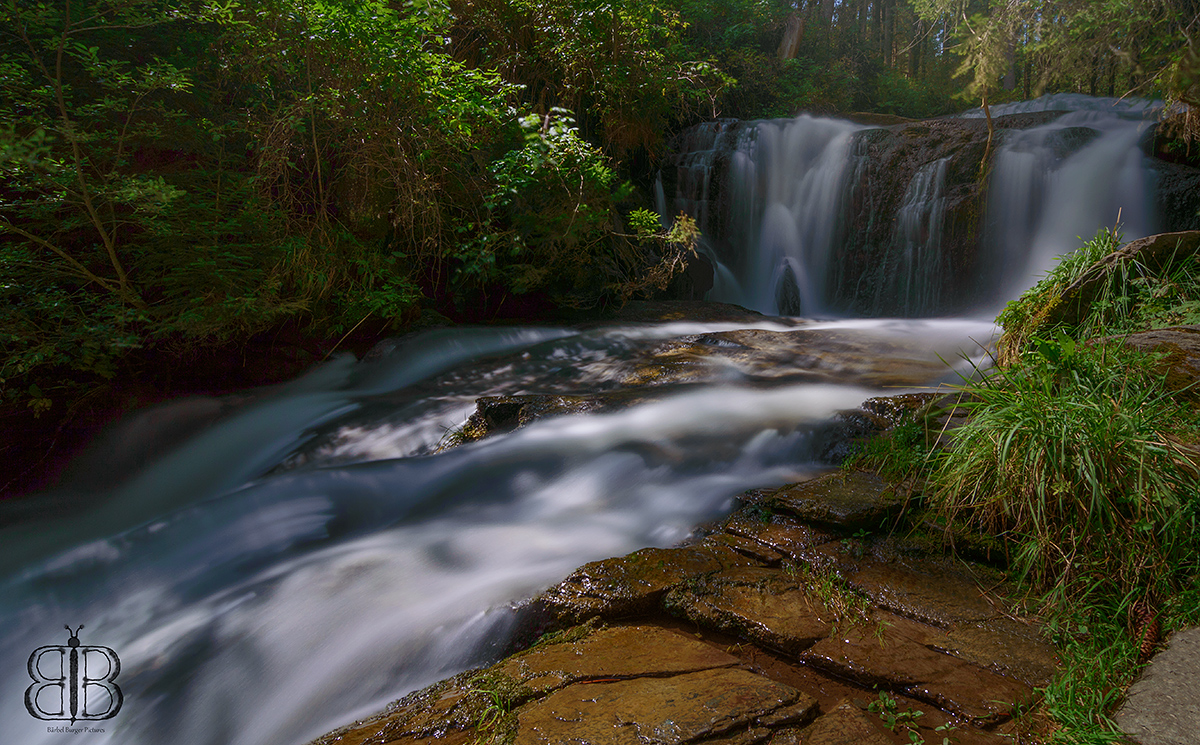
point(311, 557)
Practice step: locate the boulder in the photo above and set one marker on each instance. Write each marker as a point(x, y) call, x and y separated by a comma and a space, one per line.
point(1154, 252)
point(1180, 346)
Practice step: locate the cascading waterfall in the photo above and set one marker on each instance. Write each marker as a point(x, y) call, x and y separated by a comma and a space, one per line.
point(782, 195)
point(1060, 182)
point(313, 555)
point(813, 222)
point(919, 236)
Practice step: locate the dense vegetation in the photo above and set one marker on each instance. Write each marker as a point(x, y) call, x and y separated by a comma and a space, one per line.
point(182, 173)
point(1083, 458)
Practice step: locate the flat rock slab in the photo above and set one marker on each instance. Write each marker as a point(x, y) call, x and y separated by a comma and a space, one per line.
point(791, 539)
point(633, 584)
point(931, 592)
point(900, 655)
point(857, 499)
point(669, 711)
point(623, 652)
point(845, 725)
point(1163, 706)
point(1004, 646)
point(759, 605)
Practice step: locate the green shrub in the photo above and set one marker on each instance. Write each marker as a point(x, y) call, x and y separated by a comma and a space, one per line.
point(1131, 297)
point(1087, 466)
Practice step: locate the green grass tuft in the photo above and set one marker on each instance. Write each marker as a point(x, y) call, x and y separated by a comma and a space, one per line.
point(1084, 463)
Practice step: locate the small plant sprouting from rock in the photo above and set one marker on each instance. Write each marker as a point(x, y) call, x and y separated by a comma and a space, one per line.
point(842, 600)
point(905, 721)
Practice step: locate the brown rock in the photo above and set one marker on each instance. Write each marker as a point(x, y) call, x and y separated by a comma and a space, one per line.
point(1004, 646)
point(897, 654)
point(1181, 347)
point(752, 549)
point(759, 605)
point(792, 540)
point(929, 592)
point(851, 500)
point(845, 725)
point(633, 584)
point(677, 709)
point(622, 652)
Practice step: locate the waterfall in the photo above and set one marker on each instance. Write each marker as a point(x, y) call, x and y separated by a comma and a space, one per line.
point(1058, 183)
point(919, 236)
point(316, 553)
point(782, 191)
point(817, 215)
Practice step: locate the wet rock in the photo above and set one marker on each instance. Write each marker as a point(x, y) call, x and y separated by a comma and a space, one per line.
point(898, 654)
point(1004, 646)
point(1181, 349)
point(841, 438)
point(634, 584)
point(1178, 190)
point(1163, 706)
point(581, 660)
point(871, 119)
point(623, 652)
point(789, 539)
point(757, 551)
point(495, 414)
point(850, 500)
point(845, 725)
point(803, 355)
point(759, 605)
point(1153, 252)
point(442, 712)
point(869, 274)
point(929, 591)
point(894, 409)
point(677, 709)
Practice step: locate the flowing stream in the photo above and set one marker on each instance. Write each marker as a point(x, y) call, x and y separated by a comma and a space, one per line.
point(314, 554)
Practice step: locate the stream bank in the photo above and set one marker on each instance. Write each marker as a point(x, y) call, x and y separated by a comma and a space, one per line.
point(822, 612)
point(804, 617)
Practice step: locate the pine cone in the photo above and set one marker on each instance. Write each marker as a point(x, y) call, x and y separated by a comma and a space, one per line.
point(1143, 621)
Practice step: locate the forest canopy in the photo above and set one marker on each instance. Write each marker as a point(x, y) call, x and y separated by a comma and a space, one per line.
point(180, 173)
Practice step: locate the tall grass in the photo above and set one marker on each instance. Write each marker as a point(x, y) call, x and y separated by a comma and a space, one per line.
point(1084, 463)
point(1086, 467)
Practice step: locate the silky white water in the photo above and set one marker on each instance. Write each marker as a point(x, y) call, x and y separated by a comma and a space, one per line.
point(275, 609)
point(788, 185)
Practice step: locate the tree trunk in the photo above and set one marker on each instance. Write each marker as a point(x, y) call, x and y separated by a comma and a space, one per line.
point(793, 31)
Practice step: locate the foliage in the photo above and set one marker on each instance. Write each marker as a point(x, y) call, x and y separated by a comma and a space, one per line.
point(619, 64)
point(1032, 312)
point(550, 224)
point(194, 173)
point(1111, 47)
point(897, 454)
point(1081, 459)
point(1132, 297)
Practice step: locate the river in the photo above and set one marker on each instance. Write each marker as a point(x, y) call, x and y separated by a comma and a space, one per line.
point(316, 553)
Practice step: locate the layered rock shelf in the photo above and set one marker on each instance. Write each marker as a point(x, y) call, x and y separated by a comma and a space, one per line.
point(804, 617)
